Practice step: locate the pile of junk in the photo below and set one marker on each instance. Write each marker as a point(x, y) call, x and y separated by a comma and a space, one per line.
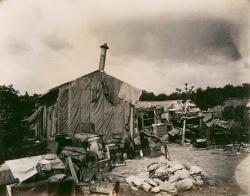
point(79, 164)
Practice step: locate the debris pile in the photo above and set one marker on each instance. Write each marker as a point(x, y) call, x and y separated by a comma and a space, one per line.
point(167, 176)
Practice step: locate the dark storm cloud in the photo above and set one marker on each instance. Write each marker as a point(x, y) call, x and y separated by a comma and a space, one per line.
point(55, 43)
point(154, 45)
point(200, 39)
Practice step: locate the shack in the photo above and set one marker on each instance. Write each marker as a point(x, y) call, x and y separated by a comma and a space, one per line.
point(95, 103)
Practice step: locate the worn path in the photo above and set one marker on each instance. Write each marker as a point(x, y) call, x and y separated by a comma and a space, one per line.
point(242, 175)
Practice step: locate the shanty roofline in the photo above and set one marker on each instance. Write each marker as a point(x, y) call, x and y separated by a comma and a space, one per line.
point(89, 74)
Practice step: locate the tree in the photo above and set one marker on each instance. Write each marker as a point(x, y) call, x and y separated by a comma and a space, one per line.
point(13, 108)
point(10, 117)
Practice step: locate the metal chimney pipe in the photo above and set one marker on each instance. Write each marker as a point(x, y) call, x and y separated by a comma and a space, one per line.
point(104, 49)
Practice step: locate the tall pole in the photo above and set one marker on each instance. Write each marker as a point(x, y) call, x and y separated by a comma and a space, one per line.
point(184, 124)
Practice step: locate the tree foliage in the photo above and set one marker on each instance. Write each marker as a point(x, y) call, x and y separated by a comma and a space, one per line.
point(204, 98)
point(13, 108)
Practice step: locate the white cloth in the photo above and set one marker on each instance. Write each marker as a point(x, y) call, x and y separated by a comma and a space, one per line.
point(129, 93)
point(24, 168)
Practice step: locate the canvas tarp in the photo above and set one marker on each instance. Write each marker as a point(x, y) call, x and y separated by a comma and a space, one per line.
point(6, 176)
point(24, 168)
point(75, 97)
point(63, 107)
point(35, 122)
point(95, 100)
point(129, 93)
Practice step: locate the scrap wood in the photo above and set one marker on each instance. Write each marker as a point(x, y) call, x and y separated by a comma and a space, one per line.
point(9, 192)
point(72, 169)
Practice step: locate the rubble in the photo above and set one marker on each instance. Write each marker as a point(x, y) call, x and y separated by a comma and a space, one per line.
point(167, 176)
point(184, 184)
point(168, 187)
point(156, 189)
point(146, 186)
point(195, 170)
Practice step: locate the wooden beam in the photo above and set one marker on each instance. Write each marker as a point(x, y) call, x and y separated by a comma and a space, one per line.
point(131, 121)
point(72, 170)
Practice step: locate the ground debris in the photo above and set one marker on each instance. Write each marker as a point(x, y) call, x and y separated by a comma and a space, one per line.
point(184, 184)
point(167, 176)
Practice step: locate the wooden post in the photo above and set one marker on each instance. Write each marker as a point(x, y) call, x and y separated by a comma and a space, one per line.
point(72, 169)
point(131, 121)
point(183, 132)
point(8, 190)
point(44, 130)
point(69, 108)
point(184, 123)
point(201, 132)
point(155, 119)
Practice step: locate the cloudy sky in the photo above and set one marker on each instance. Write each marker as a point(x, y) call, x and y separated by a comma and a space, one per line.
point(154, 45)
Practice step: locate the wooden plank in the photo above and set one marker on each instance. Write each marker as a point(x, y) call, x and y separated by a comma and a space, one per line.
point(8, 188)
point(131, 121)
point(72, 170)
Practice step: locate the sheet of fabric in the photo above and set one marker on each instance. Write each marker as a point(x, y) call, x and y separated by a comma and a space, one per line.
point(49, 120)
point(95, 99)
point(84, 87)
point(31, 119)
point(129, 93)
point(6, 176)
point(121, 118)
point(24, 168)
point(97, 109)
point(108, 118)
point(112, 89)
point(63, 99)
point(75, 108)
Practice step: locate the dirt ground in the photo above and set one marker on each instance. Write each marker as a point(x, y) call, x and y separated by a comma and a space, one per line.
point(220, 166)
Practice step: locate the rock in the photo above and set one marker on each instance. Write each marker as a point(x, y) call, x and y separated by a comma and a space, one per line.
point(173, 178)
point(163, 160)
point(144, 175)
point(175, 168)
point(168, 187)
point(152, 166)
point(134, 188)
point(187, 166)
point(156, 189)
point(182, 174)
point(157, 180)
point(130, 180)
point(170, 163)
point(198, 180)
point(138, 181)
point(146, 186)
point(151, 182)
point(184, 184)
point(204, 174)
point(134, 180)
point(161, 173)
point(195, 170)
